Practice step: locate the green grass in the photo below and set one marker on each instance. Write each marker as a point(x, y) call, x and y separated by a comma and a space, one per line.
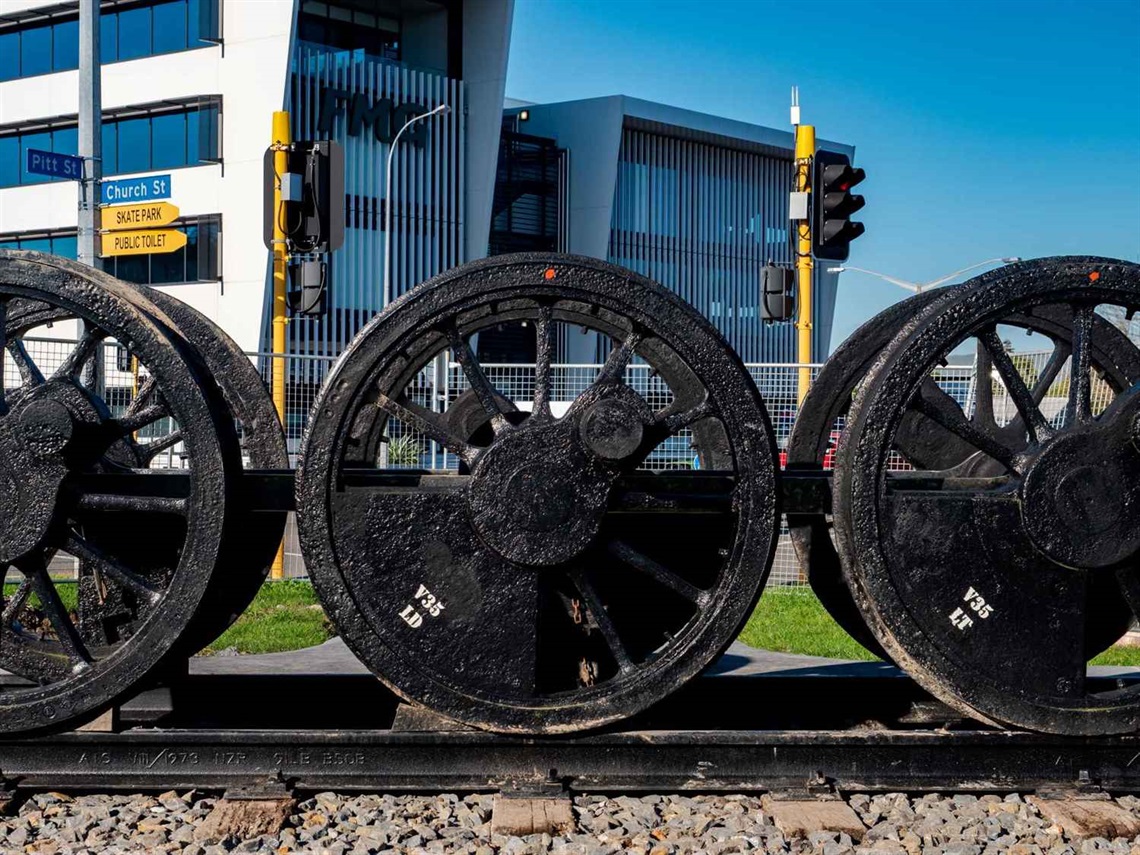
point(792, 620)
point(283, 616)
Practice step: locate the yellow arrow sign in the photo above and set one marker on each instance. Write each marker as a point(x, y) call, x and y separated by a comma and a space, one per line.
point(143, 215)
point(142, 242)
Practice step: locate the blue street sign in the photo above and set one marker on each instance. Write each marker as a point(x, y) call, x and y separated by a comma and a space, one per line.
point(127, 190)
point(55, 165)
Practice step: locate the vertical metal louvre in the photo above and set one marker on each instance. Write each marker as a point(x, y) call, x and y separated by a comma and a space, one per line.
point(427, 219)
point(702, 220)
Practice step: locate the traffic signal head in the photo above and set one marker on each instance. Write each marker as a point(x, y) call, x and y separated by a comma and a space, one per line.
point(833, 204)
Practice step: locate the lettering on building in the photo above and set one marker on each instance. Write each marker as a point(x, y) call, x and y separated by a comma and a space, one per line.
point(383, 116)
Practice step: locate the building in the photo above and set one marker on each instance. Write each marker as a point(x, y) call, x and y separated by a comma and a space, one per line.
point(189, 88)
point(696, 202)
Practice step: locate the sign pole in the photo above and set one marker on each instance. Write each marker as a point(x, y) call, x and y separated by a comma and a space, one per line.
point(90, 130)
point(805, 150)
point(282, 136)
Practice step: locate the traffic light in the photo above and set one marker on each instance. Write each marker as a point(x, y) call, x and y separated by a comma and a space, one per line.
point(777, 293)
point(312, 197)
point(832, 230)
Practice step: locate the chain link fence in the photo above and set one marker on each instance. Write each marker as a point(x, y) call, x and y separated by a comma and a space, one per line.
point(439, 386)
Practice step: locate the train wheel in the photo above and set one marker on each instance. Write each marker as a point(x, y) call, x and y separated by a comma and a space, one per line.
point(563, 583)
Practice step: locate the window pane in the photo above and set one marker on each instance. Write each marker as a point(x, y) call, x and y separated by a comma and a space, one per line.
point(39, 244)
point(109, 37)
point(193, 135)
point(65, 140)
point(133, 268)
point(9, 161)
point(134, 145)
point(110, 148)
point(35, 51)
point(67, 246)
point(168, 140)
point(65, 45)
point(134, 33)
point(9, 244)
point(170, 26)
point(41, 141)
point(168, 267)
point(9, 55)
point(192, 253)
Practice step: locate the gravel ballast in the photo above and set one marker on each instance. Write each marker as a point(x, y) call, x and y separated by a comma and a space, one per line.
point(57, 824)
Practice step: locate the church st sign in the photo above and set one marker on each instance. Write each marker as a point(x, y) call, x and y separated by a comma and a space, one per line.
point(383, 116)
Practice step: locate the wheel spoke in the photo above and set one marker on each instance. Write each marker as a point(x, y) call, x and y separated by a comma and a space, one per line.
point(544, 356)
point(936, 405)
point(30, 373)
point(984, 387)
point(1057, 359)
point(35, 570)
point(73, 364)
point(132, 422)
point(109, 567)
point(601, 618)
point(426, 422)
point(613, 370)
point(1079, 408)
point(1039, 429)
point(14, 603)
point(144, 394)
point(644, 564)
point(477, 379)
point(160, 444)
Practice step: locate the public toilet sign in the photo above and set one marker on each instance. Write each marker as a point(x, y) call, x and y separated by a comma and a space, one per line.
point(142, 242)
point(125, 190)
point(146, 215)
point(55, 165)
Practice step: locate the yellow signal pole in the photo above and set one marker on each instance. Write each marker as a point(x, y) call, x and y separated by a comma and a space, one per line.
point(281, 139)
point(805, 150)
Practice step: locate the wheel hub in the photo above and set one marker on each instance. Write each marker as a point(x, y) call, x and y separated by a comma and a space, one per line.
point(536, 497)
point(32, 437)
point(1081, 493)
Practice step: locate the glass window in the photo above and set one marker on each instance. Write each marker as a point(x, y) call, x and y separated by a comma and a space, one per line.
point(170, 26)
point(168, 140)
point(135, 33)
point(110, 148)
point(9, 161)
point(193, 137)
point(65, 140)
point(10, 55)
point(41, 141)
point(65, 45)
point(66, 245)
point(35, 51)
point(109, 37)
point(37, 244)
point(133, 268)
point(167, 267)
point(134, 145)
point(192, 254)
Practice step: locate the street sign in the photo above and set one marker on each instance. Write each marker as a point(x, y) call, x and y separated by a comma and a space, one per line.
point(146, 215)
point(55, 165)
point(142, 242)
point(126, 190)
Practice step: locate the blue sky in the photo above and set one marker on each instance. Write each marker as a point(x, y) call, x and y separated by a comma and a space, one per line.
point(1007, 127)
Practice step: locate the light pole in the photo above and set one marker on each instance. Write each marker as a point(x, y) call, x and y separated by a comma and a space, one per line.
point(919, 287)
point(442, 109)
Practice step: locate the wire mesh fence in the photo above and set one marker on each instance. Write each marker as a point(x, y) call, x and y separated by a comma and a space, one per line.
point(441, 385)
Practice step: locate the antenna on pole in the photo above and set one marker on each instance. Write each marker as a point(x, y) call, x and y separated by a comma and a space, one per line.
point(795, 105)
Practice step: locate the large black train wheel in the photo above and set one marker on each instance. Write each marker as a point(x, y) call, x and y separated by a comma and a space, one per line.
point(924, 444)
point(564, 583)
point(69, 485)
point(984, 581)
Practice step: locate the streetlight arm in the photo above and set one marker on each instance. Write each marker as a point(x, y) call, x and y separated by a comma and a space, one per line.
point(902, 283)
point(958, 273)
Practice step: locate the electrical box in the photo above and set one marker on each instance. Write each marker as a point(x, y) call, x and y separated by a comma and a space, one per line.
point(312, 197)
point(777, 293)
point(309, 279)
point(798, 205)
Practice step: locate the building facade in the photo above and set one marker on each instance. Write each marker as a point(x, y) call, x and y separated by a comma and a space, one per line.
point(189, 88)
point(696, 202)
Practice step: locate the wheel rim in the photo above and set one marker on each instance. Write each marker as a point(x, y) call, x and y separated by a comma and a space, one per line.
point(501, 569)
point(964, 581)
point(135, 597)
